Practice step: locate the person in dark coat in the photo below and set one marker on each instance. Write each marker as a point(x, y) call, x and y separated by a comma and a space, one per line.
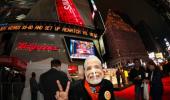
point(33, 86)
point(93, 87)
point(80, 92)
point(118, 76)
point(156, 86)
point(48, 80)
point(136, 75)
point(166, 68)
point(123, 77)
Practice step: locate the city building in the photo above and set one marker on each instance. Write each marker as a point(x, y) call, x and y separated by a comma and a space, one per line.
point(122, 42)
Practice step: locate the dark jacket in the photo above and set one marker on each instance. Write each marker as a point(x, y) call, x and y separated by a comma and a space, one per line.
point(33, 85)
point(156, 86)
point(134, 73)
point(48, 85)
point(78, 91)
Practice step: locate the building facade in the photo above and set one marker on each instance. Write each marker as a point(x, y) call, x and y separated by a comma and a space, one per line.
point(122, 42)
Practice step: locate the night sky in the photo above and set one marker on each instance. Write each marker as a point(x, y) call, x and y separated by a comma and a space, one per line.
point(137, 10)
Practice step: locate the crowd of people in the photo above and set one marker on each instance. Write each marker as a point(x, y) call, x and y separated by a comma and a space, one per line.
point(143, 76)
point(120, 76)
point(54, 84)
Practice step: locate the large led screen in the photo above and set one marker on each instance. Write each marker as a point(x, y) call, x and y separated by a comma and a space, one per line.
point(79, 49)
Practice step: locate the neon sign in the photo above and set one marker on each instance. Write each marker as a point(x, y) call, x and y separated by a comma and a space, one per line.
point(32, 46)
point(55, 27)
point(68, 12)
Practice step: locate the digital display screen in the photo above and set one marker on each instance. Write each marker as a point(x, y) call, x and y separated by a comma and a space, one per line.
point(81, 49)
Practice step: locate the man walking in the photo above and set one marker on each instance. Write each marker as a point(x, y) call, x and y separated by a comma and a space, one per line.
point(33, 86)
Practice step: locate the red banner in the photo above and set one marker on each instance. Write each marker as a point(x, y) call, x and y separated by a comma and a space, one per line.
point(68, 12)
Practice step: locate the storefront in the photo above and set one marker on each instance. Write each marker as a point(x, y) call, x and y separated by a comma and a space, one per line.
point(64, 29)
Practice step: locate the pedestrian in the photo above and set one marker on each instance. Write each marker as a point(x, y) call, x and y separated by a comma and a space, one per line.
point(118, 76)
point(136, 75)
point(156, 86)
point(123, 77)
point(48, 80)
point(33, 86)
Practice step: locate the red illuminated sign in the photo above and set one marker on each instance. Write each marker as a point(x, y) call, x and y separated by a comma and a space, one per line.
point(68, 12)
point(32, 46)
point(72, 69)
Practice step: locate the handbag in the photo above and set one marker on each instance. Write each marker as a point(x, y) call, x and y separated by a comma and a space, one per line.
point(145, 91)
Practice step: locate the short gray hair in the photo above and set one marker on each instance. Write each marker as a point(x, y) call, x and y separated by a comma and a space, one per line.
point(91, 58)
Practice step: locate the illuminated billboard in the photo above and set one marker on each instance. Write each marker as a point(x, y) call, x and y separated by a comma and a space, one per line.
point(74, 12)
point(79, 48)
point(68, 12)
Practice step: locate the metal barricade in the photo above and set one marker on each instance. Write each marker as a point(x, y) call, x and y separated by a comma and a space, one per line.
point(11, 91)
